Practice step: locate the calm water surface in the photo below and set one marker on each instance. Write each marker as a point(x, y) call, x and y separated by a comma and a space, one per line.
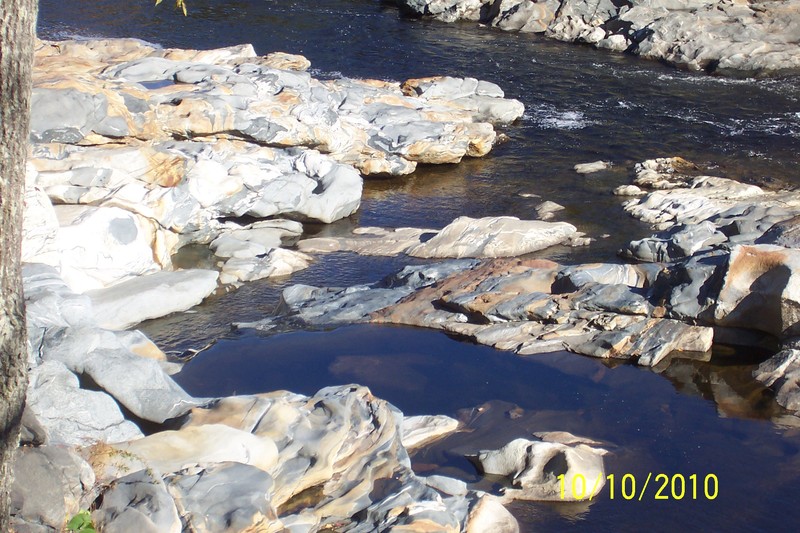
point(582, 105)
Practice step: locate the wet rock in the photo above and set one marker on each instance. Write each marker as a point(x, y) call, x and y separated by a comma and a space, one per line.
point(72, 415)
point(781, 372)
point(50, 484)
point(150, 296)
point(274, 262)
point(547, 210)
point(137, 502)
point(590, 168)
point(493, 237)
point(419, 430)
point(368, 241)
point(533, 468)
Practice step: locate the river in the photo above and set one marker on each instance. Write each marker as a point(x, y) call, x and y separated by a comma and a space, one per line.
point(582, 105)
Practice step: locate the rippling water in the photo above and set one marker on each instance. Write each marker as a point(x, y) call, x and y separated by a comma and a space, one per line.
point(582, 105)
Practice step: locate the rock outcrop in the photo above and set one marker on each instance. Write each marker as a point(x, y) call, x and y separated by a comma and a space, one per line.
point(730, 37)
point(138, 151)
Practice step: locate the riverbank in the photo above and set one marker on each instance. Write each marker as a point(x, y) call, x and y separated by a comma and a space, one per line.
point(733, 37)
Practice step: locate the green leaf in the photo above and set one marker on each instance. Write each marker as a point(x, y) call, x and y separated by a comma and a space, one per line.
point(81, 523)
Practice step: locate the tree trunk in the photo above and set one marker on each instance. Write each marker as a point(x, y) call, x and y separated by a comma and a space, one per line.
point(17, 27)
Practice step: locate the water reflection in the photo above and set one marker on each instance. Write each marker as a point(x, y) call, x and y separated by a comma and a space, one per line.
point(648, 423)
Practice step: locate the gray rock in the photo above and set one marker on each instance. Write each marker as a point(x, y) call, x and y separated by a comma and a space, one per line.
point(137, 502)
point(225, 497)
point(689, 289)
point(784, 233)
point(72, 415)
point(68, 115)
point(138, 383)
point(50, 485)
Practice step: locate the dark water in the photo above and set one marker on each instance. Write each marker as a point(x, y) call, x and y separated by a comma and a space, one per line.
point(582, 105)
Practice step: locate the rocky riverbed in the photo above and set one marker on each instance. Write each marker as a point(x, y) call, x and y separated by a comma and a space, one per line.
point(729, 37)
point(138, 151)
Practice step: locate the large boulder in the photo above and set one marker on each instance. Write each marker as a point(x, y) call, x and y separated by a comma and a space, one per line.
point(760, 290)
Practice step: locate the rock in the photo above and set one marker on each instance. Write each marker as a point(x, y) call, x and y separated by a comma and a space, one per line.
point(489, 514)
point(98, 246)
point(227, 496)
point(273, 263)
point(49, 485)
point(729, 37)
point(368, 241)
point(534, 467)
point(72, 415)
point(572, 278)
point(284, 61)
point(758, 290)
point(137, 502)
point(522, 15)
point(493, 237)
point(782, 373)
point(784, 233)
point(138, 383)
point(39, 225)
point(420, 430)
point(444, 10)
point(151, 296)
point(546, 210)
point(49, 302)
point(173, 451)
point(590, 168)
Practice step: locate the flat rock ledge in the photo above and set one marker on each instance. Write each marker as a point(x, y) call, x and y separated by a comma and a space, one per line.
point(137, 151)
point(464, 237)
point(728, 37)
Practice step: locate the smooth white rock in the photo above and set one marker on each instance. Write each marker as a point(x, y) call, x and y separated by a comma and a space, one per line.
point(151, 296)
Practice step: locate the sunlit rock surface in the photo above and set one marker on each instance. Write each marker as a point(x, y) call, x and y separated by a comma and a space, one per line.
point(144, 150)
point(534, 468)
point(464, 237)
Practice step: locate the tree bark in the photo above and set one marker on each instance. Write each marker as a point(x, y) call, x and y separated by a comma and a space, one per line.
point(17, 30)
